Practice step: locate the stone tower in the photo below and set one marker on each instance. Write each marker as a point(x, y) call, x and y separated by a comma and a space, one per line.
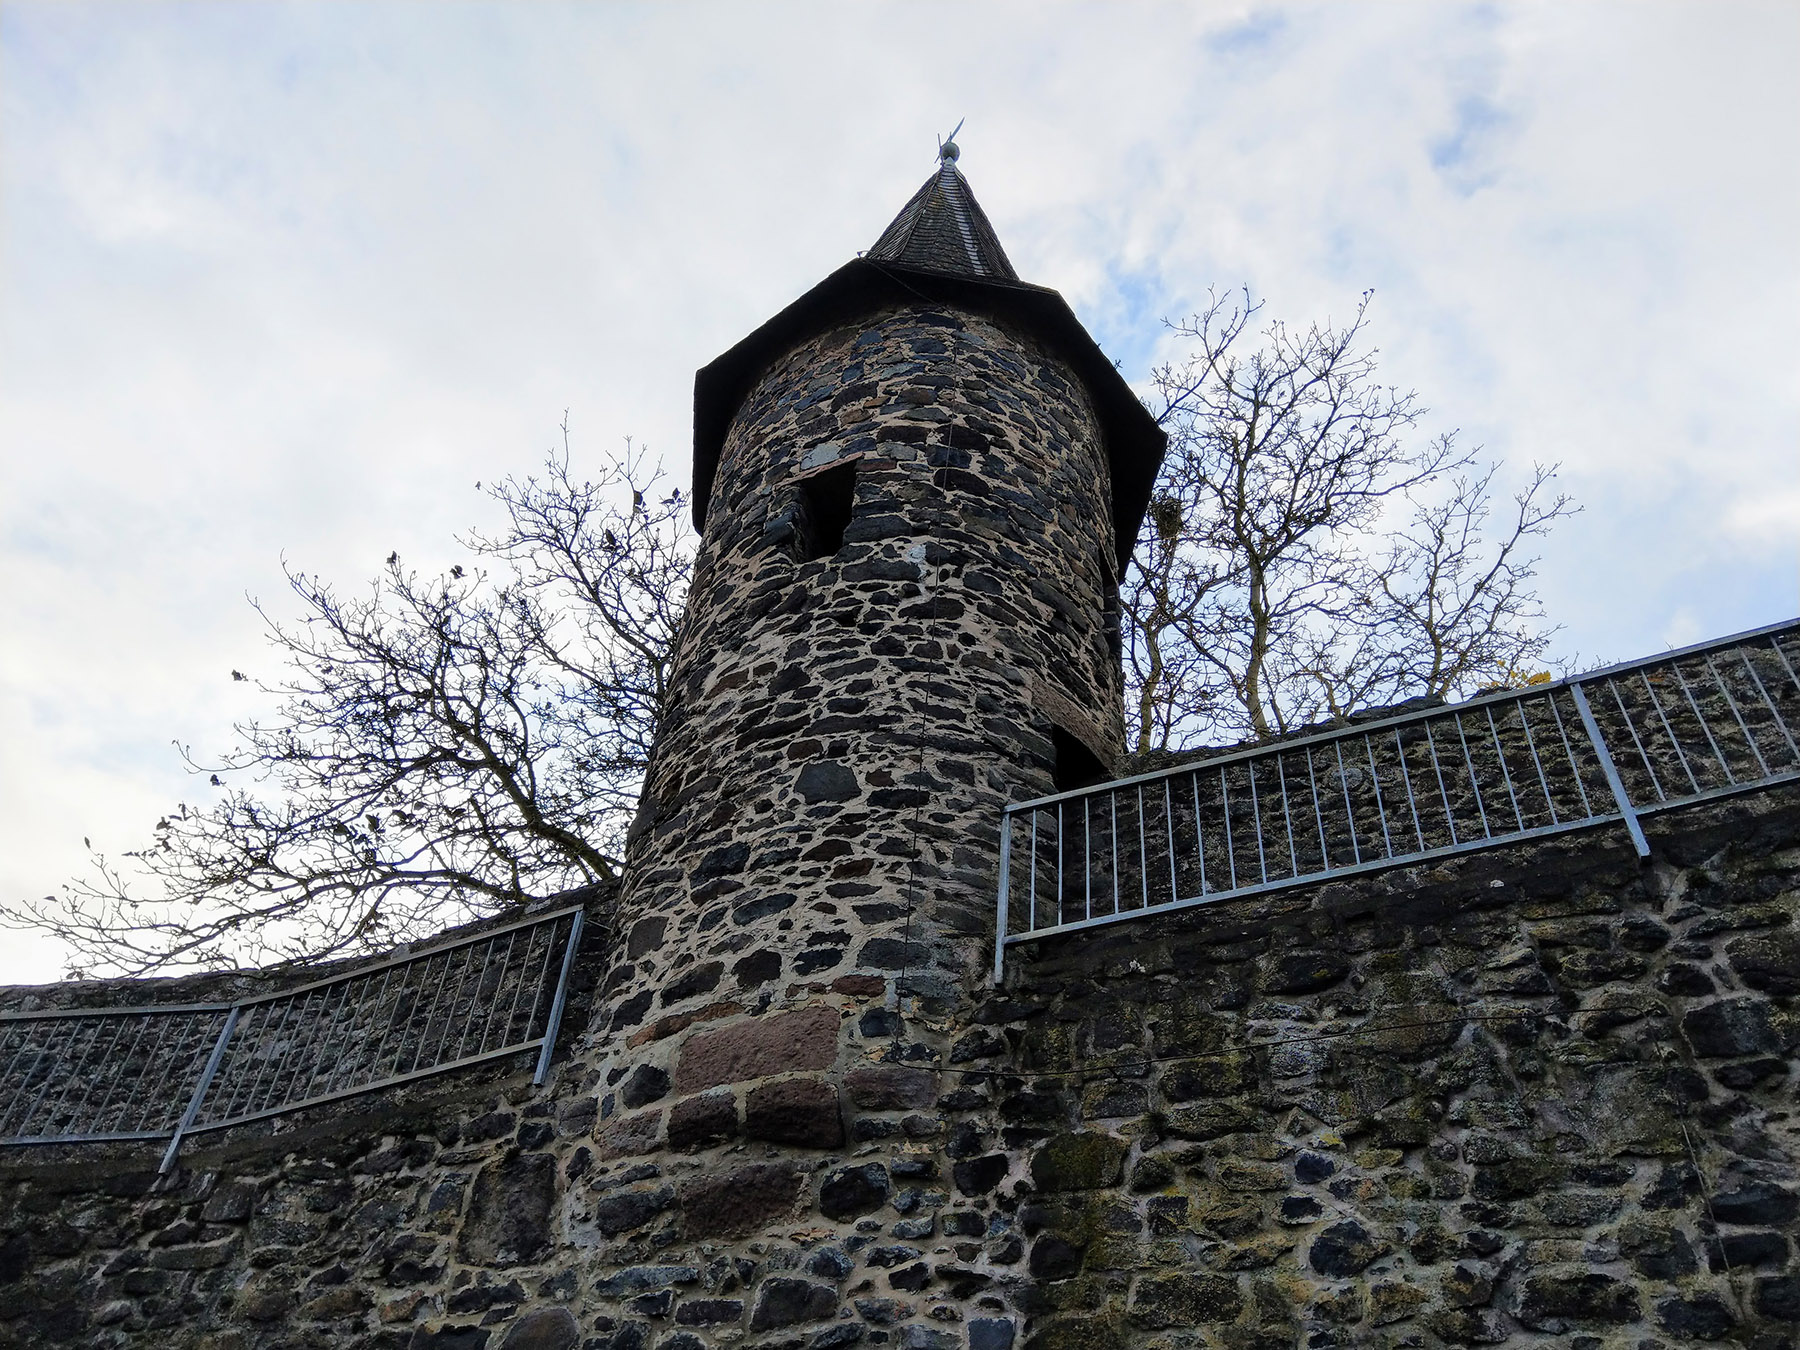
point(917, 487)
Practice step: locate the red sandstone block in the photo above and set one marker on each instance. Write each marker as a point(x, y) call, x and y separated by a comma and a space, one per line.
point(800, 1111)
point(758, 1047)
point(860, 986)
point(741, 1202)
point(625, 1135)
point(891, 1087)
point(668, 1026)
point(706, 1119)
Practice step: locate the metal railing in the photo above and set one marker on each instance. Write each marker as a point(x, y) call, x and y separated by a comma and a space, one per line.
point(1608, 746)
point(80, 1076)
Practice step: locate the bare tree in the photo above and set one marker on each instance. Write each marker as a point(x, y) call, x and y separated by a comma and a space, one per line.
point(1307, 558)
point(441, 748)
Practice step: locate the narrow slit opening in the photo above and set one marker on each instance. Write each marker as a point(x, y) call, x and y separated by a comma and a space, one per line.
point(826, 502)
point(1076, 766)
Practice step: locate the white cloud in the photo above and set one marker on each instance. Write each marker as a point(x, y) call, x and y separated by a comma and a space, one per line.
point(288, 280)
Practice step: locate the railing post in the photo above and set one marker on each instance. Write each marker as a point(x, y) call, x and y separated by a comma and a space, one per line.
point(556, 1004)
point(206, 1076)
point(1000, 914)
point(1611, 771)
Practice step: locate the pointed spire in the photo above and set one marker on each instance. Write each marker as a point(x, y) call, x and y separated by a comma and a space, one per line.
point(944, 229)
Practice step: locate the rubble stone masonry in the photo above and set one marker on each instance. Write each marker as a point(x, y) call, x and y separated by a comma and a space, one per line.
point(845, 729)
point(1544, 1097)
point(1539, 1096)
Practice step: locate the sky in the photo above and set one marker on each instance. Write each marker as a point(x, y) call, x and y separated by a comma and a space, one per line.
point(282, 283)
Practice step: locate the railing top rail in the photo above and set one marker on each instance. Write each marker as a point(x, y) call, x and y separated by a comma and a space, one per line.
point(121, 1010)
point(373, 967)
point(1353, 729)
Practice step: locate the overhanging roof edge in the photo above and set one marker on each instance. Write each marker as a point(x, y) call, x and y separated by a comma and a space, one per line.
point(1134, 443)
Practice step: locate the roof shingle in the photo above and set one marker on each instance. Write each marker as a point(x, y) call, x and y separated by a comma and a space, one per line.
point(943, 229)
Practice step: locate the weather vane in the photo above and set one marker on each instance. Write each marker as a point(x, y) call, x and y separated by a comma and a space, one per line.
point(947, 144)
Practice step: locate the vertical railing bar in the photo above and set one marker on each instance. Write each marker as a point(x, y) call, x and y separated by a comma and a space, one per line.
point(1387, 841)
point(334, 1031)
point(1225, 810)
point(1737, 714)
point(479, 1006)
point(186, 1051)
point(315, 1031)
point(236, 1087)
point(437, 997)
point(544, 971)
point(1312, 778)
point(1199, 829)
point(1143, 852)
point(368, 1037)
point(276, 1044)
point(1669, 730)
point(1610, 770)
point(1349, 811)
point(1287, 815)
point(118, 1074)
point(463, 987)
point(131, 1082)
point(1031, 900)
point(484, 1019)
point(59, 1105)
point(1612, 687)
point(1437, 772)
point(1774, 712)
point(400, 1027)
point(87, 1088)
point(999, 908)
point(1587, 806)
point(1112, 806)
point(57, 1055)
point(1262, 862)
point(536, 986)
point(1169, 828)
point(1505, 771)
point(1775, 642)
point(321, 1030)
point(206, 1077)
point(1537, 761)
point(127, 1109)
point(1087, 858)
point(37, 1053)
point(1062, 889)
point(1487, 831)
point(1705, 727)
point(1412, 801)
point(478, 1002)
point(456, 993)
point(554, 1022)
point(21, 1050)
point(423, 968)
point(293, 1029)
point(343, 1032)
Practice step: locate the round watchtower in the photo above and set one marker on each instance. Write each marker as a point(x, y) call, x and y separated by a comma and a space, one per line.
point(917, 486)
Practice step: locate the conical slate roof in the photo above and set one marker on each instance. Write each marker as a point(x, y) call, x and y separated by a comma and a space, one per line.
point(944, 229)
point(940, 249)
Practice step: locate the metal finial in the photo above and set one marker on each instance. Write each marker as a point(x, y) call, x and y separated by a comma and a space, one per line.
point(947, 150)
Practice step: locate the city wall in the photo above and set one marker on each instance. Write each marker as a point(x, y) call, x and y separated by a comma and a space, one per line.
point(1545, 1096)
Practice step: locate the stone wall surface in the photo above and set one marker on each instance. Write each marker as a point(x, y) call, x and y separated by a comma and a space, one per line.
point(843, 730)
point(1541, 1097)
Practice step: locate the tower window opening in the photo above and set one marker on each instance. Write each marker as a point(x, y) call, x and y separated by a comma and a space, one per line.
point(1076, 766)
point(826, 501)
